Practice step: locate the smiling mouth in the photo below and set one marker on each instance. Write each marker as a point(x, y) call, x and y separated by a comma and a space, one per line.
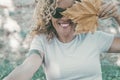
point(65, 24)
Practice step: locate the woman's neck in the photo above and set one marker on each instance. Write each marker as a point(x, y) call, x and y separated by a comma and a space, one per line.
point(66, 38)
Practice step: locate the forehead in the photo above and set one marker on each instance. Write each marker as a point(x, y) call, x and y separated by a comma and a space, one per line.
point(65, 3)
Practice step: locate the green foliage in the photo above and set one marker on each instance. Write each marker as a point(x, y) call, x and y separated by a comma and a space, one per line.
point(23, 33)
point(6, 67)
point(39, 75)
point(109, 71)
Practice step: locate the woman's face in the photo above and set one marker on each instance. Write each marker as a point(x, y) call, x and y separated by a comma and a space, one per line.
point(64, 26)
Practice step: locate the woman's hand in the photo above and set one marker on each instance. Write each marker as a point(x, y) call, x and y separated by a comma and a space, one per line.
point(109, 9)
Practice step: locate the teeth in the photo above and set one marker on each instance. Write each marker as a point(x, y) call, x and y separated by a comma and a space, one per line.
point(64, 25)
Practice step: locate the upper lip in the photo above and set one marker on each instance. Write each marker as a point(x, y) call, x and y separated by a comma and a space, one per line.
point(65, 22)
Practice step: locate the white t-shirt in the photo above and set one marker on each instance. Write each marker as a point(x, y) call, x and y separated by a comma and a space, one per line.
point(76, 60)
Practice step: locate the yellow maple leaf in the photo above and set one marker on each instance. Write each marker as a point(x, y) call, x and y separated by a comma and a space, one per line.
point(85, 14)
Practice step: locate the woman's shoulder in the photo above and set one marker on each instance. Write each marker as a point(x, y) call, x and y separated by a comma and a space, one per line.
point(97, 33)
point(100, 34)
point(40, 37)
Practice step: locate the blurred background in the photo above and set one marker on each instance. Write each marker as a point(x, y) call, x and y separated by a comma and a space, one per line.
point(15, 23)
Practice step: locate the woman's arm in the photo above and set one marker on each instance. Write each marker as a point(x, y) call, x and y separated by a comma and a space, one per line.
point(115, 47)
point(26, 70)
point(117, 18)
point(111, 10)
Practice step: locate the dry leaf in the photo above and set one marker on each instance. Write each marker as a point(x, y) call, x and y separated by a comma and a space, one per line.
point(85, 14)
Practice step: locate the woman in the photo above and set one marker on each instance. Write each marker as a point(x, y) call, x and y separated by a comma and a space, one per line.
point(63, 55)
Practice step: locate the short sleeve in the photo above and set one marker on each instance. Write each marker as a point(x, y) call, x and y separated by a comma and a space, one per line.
point(105, 41)
point(36, 45)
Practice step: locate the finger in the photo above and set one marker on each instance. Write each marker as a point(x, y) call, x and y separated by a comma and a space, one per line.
point(107, 11)
point(114, 14)
point(101, 10)
point(110, 15)
point(103, 2)
point(114, 10)
point(105, 17)
point(107, 8)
